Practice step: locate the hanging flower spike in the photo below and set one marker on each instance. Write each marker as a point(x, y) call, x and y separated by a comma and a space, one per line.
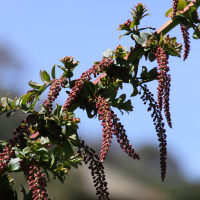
point(185, 33)
point(166, 100)
point(174, 7)
point(105, 115)
point(122, 138)
point(5, 157)
point(159, 125)
point(97, 170)
point(53, 92)
point(35, 178)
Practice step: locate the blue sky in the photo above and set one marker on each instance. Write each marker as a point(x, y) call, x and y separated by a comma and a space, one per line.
point(42, 32)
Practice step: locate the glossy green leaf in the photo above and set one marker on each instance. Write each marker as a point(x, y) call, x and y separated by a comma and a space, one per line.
point(42, 151)
point(46, 76)
point(67, 150)
point(25, 99)
point(6, 101)
point(73, 164)
point(26, 150)
point(14, 165)
point(33, 104)
point(153, 72)
point(108, 53)
point(34, 85)
point(152, 57)
point(138, 39)
point(42, 88)
point(168, 13)
point(67, 165)
point(144, 36)
point(135, 92)
point(145, 74)
point(132, 24)
point(196, 34)
point(41, 77)
point(53, 73)
point(57, 152)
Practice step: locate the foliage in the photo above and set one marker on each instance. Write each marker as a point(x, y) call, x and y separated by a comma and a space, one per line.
point(29, 151)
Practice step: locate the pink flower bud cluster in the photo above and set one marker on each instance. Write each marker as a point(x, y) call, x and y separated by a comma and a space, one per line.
point(106, 118)
point(35, 178)
point(166, 100)
point(186, 38)
point(163, 83)
point(5, 157)
point(174, 7)
point(97, 170)
point(128, 23)
point(112, 126)
point(86, 76)
point(53, 92)
point(121, 137)
point(159, 125)
point(19, 133)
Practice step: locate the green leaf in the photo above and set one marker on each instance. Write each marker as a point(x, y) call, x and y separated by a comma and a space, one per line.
point(196, 34)
point(14, 165)
point(152, 57)
point(46, 76)
point(67, 150)
point(53, 74)
point(73, 164)
point(6, 101)
point(57, 152)
point(34, 85)
point(153, 72)
point(108, 53)
point(42, 88)
point(25, 99)
point(138, 39)
point(135, 92)
point(41, 77)
point(145, 74)
point(67, 165)
point(13, 104)
point(132, 24)
point(33, 104)
point(26, 150)
point(168, 12)
point(181, 5)
point(127, 106)
point(42, 151)
point(144, 36)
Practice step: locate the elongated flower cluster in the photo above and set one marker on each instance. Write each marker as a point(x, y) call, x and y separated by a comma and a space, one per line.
point(86, 76)
point(112, 126)
point(163, 83)
point(35, 178)
point(121, 137)
point(97, 170)
point(105, 115)
point(53, 93)
point(19, 134)
point(159, 125)
point(186, 39)
point(166, 100)
point(174, 7)
point(5, 157)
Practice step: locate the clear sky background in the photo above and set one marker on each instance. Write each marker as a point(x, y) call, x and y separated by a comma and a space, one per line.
point(42, 32)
